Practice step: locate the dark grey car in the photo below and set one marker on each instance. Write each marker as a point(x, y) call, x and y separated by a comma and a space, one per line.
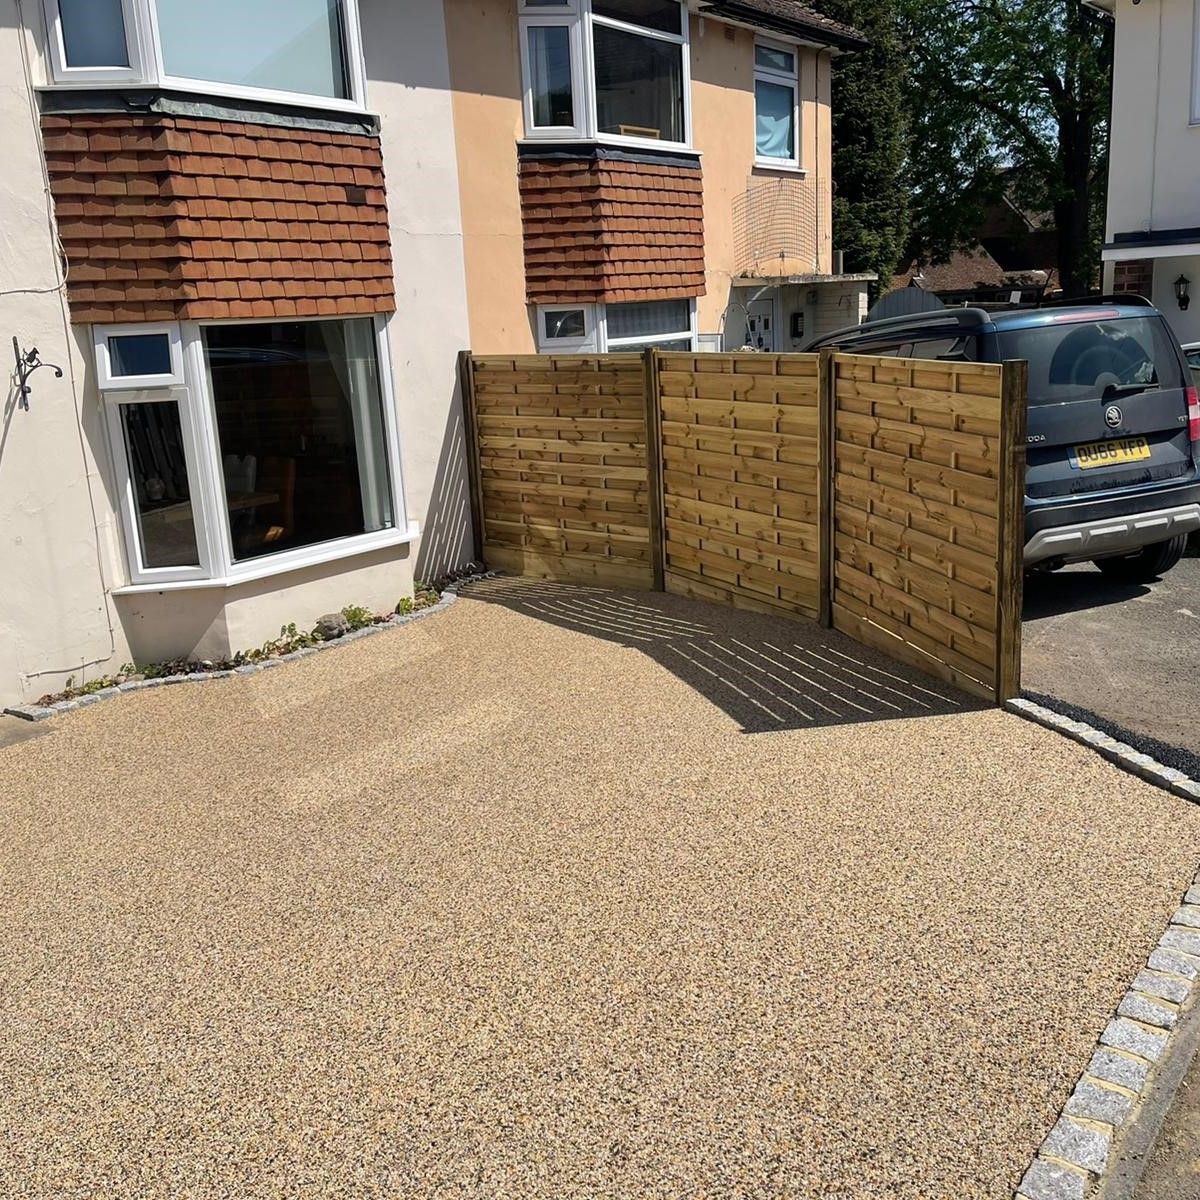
point(1114, 423)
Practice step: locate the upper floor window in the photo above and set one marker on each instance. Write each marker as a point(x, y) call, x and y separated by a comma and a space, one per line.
point(614, 69)
point(776, 105)
point(294, 51)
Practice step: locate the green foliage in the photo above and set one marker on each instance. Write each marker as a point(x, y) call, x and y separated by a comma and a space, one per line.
point(1009, 96)
point(870, 141)
point(404, 606)
point(358, 617)
point(290, 638)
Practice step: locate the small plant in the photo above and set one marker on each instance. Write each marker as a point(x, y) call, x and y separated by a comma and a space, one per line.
point(358, 617)
point(405, 606)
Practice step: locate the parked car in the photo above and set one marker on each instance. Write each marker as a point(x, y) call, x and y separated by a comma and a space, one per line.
point(1114, 423)
point(1191, 352)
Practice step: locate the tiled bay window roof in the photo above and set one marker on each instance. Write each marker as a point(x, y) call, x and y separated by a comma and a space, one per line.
point(789, 17)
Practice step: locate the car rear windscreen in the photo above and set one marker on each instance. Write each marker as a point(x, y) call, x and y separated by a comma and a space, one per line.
point(1087, 360)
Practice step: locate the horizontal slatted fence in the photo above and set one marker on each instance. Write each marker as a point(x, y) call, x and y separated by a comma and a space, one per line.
point(927, 499)
point(882, 495)
point(560, 465)
point(739, 448)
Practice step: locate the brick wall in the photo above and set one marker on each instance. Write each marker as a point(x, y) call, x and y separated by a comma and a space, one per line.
point(609, 230)
point(1135, 277)
point(166, 218)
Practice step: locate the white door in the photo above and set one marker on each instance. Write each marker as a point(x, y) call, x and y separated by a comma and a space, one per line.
point(760, 324)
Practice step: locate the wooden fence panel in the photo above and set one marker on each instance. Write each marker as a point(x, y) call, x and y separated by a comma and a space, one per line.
point(560, 466)
point(739, 463)
point(927, 521)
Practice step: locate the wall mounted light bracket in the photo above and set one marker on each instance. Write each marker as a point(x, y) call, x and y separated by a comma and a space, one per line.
point(27, 363)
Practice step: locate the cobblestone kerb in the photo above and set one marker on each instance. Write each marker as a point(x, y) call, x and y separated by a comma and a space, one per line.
point(1076, 1153)
point(34, 712)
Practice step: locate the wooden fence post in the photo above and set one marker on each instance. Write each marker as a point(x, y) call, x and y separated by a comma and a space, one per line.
point(826, 439)
point(654, 474)
point(466, 387)
point(1010, 579)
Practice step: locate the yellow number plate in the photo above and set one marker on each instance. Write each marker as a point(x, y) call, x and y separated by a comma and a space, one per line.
point(1110, 454)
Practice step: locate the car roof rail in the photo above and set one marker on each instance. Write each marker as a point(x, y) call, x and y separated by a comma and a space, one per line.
point(962, 317)
point(1130, 298)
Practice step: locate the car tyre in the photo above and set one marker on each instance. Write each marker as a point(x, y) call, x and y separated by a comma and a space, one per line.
point(1147, 564)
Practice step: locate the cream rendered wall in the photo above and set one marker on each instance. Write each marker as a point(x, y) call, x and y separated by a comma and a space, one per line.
point(59, 543)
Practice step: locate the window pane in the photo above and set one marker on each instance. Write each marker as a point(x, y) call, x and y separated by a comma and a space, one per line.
point(565, 323)
point(649, 319)
point(639, 85)
point(93, 33)
point(550, 75)
point(670, 344)
point(158, 469)
point(775, 60)
point(653, 14)
point(139, 354)
point(775, 130)
point(284, 45)
point(300, 423)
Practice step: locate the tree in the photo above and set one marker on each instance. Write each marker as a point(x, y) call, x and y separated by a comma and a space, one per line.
point(1010, 94)
point(870, 204)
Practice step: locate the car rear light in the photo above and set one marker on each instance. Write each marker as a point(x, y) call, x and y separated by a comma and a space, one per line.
point(1085, 314)
point(1193, 403)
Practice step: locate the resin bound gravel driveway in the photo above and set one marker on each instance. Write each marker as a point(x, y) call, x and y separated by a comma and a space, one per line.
point(560, 895)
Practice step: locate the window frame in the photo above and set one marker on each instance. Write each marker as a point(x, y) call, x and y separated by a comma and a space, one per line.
point(780, 79)
point(146, 62)
point(617, 345)
point(198, 422)
point(582, 20)
point(112, 383)
point(585, 344)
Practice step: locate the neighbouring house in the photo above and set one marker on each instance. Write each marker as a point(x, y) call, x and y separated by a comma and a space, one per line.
point(1014, 259)
point(234, 225)
point(255, 234)
point(639, 172)
point(1152, 245)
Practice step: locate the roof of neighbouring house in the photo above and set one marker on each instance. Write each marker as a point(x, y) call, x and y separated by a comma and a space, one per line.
point(967, 271)
point(790, 17)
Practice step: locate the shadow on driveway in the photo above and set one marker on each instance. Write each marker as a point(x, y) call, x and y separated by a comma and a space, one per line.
point(767, 673)
point(1052, 595)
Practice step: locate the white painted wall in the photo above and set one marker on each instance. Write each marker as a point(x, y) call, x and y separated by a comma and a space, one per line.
point(58, 530)
point(60, 541)
point(1154, 180)
point(408, 75)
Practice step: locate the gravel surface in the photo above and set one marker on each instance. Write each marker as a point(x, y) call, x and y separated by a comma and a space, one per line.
point(514, 903)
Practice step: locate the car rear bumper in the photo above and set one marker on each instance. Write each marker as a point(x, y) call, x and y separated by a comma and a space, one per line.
point(1121, 525)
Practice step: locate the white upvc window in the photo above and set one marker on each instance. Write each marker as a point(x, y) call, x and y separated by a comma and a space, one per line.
point(306, 52)
point(776, 105)
point(610, 70)
point(276, 449)
point(617, 328)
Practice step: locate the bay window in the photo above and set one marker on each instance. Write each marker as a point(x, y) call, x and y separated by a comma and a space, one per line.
point(611, 69)
point(296, 51)
point(275, 450)
point(776, 106)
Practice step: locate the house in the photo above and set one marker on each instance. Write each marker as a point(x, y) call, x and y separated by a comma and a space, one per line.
point(1016, 252)
point(253, 236)
point(1152, 243)
point(645, 171)
point(256, 421)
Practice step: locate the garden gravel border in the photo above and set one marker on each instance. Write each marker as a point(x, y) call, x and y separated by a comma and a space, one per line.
point(1076, 1155)
point(37, 712)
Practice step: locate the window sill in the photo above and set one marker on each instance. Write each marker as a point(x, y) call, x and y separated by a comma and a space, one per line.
point(616, 142)
point(296, 561)
point(770, 164)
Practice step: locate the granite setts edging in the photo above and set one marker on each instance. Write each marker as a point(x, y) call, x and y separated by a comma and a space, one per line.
point(1117, 752)
point(1074, 1157)
point(34, 712)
